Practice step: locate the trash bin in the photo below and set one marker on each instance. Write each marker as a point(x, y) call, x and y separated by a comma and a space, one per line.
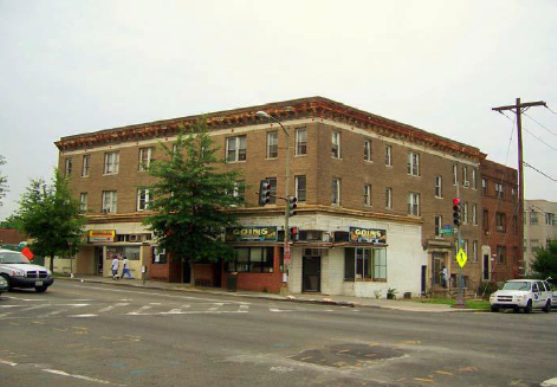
point(232, 282)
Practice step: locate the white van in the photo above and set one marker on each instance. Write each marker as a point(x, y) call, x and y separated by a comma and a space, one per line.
point(525, 294)
point(20, 273)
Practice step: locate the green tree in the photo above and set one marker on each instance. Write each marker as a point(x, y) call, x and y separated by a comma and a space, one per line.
point(3, 181)
point(10, 222)
point(190, 194)
point(545, 262)
point(52, 218)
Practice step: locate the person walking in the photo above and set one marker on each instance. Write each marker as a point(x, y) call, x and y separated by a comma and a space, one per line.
point(115, 264)
point(126, 268)
point(444, 277)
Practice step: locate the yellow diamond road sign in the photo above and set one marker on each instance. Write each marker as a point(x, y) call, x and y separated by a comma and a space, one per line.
point(461, 258)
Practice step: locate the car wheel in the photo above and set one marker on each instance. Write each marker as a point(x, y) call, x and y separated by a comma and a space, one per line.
point(41, 289)
point(8, 281)
point(528, 308)
point(494, 309)
point(547, 308)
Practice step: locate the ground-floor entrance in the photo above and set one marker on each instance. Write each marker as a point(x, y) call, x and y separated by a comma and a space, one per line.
point(311, 273)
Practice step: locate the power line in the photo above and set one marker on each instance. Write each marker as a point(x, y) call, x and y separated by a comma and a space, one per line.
point(540, 124)
point(539, 139)
point(548, 108)
point(540, 172)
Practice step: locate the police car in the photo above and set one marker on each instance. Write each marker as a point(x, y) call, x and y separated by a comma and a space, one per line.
point(525, 294)
point(16, 269)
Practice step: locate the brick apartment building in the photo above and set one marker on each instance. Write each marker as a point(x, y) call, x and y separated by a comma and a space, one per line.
point(501, 225)
point(373, 195)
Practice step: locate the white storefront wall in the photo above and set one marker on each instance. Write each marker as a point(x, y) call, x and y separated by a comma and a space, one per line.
point(405, 256)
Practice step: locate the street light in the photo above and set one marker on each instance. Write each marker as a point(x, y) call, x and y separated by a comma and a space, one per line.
point(287, 256)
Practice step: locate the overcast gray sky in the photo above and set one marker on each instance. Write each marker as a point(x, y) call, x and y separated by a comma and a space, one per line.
point(74, 66)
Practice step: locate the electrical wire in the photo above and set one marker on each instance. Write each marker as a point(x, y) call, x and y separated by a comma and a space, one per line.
point(539, 139)
point(548, 108)
point(537, 170)
point(540, 124)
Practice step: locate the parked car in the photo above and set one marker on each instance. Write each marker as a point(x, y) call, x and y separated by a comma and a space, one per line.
point(554, 299)
point(4, 287)
point(525, 294)
point(20, 273)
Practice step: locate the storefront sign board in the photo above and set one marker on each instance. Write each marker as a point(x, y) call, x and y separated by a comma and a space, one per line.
point(96, 236)
point(368, 235)
point(252, 234)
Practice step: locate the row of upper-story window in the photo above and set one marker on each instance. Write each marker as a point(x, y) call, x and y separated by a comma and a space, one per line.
point(500, 191)
point(145, 198)
point(236, 151)
point(550, 219)
point(499, 221)
point(534, 245)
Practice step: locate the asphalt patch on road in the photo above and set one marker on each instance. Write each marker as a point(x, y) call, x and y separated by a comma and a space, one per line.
point(348, 355)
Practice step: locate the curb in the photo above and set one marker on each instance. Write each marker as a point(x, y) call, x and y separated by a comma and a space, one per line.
point(325, 301)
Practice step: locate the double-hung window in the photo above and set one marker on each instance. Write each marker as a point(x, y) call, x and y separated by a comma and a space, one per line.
point(500, 222)
point(273, 183)
point(413, 164)
point(367, 150)
point(465, 181)
point(336, 144)
point(110, 202)
point(69, 165)
point(301, 141)
point(438, 224)
point(484, 186)
point(301, 188)
point(272, 145)
point(365, 264)
point(475, 251)
point(414, 204)
point(236, 148)
point(465, 213)
point(367, 195)
point(335, 192)
point(475, 214)
point(111, 163)
point(144, 199)
point(438, 186)
point(474, 179)
point(499, 191)
point(389, 198)
point(455, 174)
point(388, 156)
point(145, 155)
point(86, 165)
point(83, 199)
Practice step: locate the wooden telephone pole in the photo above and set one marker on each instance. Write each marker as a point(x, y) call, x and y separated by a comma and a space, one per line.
point(518, 109)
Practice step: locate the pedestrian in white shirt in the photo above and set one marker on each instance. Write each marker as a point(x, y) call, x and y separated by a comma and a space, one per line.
point(115, 264)
point(126, 268)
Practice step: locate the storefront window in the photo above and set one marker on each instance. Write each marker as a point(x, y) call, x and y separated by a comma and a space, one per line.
point(252, 260)
point(130, 252)
point(159, 255)
point(365, 264)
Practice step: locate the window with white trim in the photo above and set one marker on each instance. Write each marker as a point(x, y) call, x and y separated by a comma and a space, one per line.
point(438, 224)
point(414, 204)
point(272, 145)
point(85, 165)
point(144, 161)
point(236, 148)
point(336, 144)
point(111, 163)
point(83, 199)
point(475, 251)
point(301, 188)
point(499, 191)
point(110, 202)
point(413, 164)
point(475, 214)
point(68, 166)
point(367, 195)
point(301, 141)
point(365, 264)
point(455, 174)
point(388, 156)
point(438, 186)
point(484, 186)
point(500, 222)
point(465, 181)
point(465, 213)
point(474, 179)
point(144, 199)
point(389, 198)
point(335, 192)
point(367, 150)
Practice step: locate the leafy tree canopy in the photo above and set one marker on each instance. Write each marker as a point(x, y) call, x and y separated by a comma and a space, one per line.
point(10, 222)
point(51, 217)
point(545, 262)
point(190, 193)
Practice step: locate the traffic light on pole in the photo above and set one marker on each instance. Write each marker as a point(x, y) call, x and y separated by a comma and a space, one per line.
point(292, 205)
point(456, 212)
point(264, 192)
point(294, 233)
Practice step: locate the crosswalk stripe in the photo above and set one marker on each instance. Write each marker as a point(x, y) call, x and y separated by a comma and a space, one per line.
point(138, 311)
point(216, 307)
point(54, 313)
point(25, 310)
point(110, 307)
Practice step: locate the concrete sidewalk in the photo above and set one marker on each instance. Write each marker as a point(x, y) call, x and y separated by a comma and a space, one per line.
point(406, 305)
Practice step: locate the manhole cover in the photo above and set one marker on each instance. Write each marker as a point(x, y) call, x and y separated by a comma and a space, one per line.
point(348, 355)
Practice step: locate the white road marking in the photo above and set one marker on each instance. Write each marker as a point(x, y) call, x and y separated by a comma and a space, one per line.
point(279, 310)
point(84, 315)
point(216, 307)
point(549, 382)
point(61, 310)
point(22, 299)
point(81, 377)
point(7, 363)
point(138, 311)
point(177, 311)
point(110, 307)
point(25, 310)
point(157, 294)
point(12, 306)
point(244, 307)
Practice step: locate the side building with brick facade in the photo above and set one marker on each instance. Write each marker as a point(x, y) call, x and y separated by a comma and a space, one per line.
point(374, 198)
point(502, 225)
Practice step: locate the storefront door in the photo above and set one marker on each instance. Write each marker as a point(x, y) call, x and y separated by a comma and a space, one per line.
point(99, 260)
point(437, 269)
point(311, 281)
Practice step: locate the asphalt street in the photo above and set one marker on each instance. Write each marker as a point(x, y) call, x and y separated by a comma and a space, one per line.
point(80, 334)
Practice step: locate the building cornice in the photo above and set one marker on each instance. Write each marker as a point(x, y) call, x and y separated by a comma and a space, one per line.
point(314, 107)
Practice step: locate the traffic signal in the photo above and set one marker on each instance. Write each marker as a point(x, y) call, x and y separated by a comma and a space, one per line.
point(294, 233)
point(292, 205)
point(456, 212)
point(264, 192)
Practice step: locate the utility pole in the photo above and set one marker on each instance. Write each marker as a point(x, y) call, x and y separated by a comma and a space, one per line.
point(518, 109)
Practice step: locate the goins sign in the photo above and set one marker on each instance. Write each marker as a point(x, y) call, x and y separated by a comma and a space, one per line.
point(96, 236)
point(252, 234)
point(368, 235)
